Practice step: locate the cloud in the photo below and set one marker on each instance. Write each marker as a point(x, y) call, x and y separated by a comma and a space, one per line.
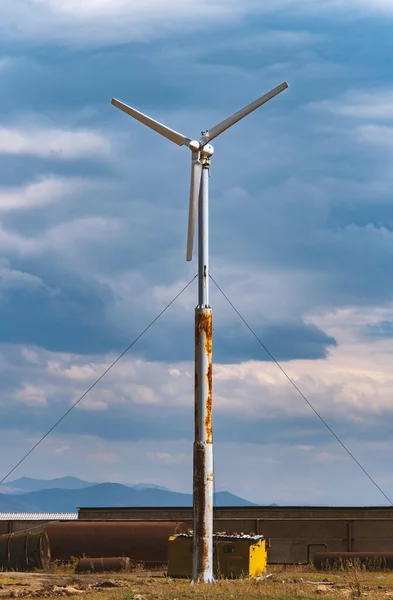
point(113, 231)
point(104, 8)
point(258, 417)
point(363, 6)
point(12, 280)
point(57, 320)
point(365, 116)
point(46, 308)
point(45, 191)
point(98, 22)
point(11, 242)
point(31, 395)
point(141, 399)
point(377, 135)
point(383, 329)
point(94, 244)
point(53, 142)
point(360, 104)
point(382, 6)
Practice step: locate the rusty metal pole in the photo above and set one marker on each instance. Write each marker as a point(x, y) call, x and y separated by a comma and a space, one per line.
point(203, 441)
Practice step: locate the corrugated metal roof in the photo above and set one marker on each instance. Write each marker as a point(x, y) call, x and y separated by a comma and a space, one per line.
point(38, 516)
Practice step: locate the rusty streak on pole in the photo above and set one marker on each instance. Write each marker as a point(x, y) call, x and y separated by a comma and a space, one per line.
point(203, 441)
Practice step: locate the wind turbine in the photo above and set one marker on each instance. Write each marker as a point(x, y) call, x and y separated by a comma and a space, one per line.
point(202, 152)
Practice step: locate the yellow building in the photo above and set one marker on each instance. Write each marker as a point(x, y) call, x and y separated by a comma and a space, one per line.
point(234, 555)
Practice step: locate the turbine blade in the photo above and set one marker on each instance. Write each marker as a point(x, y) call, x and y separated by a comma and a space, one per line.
point(240, 114)
point(170, 134)
point(195, 186)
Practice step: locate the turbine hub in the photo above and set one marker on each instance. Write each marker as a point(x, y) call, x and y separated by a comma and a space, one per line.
point(194, 146)
point(207, 151)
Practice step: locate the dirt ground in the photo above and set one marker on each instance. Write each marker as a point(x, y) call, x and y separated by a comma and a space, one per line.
point(281, 584)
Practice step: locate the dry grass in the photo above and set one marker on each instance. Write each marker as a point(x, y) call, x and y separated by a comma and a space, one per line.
point(7, 580)
point(285, 583)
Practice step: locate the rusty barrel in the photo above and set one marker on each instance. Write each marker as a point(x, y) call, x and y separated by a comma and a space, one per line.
point(25, 551)
point(373, 561)
point(141, 541)
point(101, 565)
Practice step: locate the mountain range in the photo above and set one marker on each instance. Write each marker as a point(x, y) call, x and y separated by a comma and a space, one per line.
point(66, 494)
point(26, 484)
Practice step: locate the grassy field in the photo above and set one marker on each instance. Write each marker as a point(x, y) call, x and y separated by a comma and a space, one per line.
point(284, 584)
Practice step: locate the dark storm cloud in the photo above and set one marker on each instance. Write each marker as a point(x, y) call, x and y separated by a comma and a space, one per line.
point(74, 316)
point(284, 341)
point(172, 340)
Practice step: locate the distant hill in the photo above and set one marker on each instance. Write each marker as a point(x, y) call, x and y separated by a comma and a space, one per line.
point(26, 484)
point(101, 495)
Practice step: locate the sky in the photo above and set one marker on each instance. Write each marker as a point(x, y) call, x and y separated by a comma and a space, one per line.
point(93, 219)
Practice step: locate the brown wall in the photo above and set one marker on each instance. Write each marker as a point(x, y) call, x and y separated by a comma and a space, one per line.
point(13, 526)
point(295, 532)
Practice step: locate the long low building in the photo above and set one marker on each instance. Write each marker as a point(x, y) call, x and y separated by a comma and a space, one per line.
point(296, 532)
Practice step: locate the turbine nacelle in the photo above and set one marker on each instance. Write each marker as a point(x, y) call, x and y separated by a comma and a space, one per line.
point(207, 151)
point(201, 149)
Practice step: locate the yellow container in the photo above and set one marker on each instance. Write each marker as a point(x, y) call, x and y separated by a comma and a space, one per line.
point(234, 555)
